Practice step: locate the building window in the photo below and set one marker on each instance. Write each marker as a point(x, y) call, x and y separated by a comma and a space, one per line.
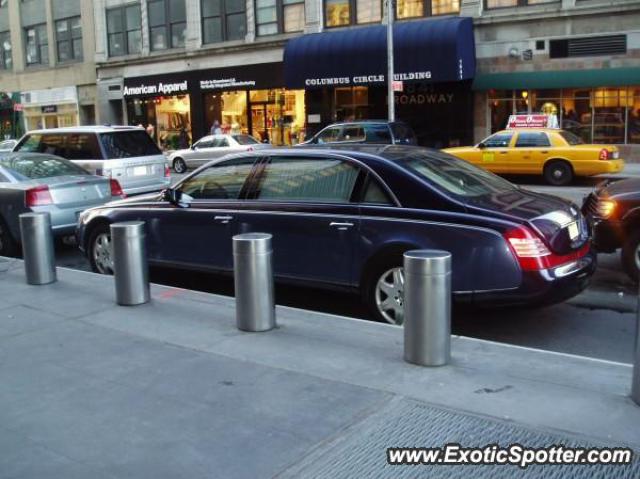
point(37, 45)
point(223, 20)
point(422, 8)
point(69, 39)
point(515, 3)
point(123, 30)
point(6, 60)
point(167, 24)
point(279, 16)
point(350, 12)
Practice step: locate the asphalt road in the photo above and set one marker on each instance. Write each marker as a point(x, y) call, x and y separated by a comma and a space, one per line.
point(598, 323)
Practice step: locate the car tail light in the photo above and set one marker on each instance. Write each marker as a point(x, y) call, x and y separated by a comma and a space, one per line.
point(604, 154)
point(533, 254)
point(38, 196)
point(167, 171)
point(116, 189)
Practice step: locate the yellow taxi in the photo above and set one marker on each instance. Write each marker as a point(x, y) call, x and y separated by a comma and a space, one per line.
point(558, 155)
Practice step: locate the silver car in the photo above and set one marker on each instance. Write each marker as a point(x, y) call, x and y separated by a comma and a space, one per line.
point(6, 146)
point(212, 147)
point(125, 153)
point(32, 182)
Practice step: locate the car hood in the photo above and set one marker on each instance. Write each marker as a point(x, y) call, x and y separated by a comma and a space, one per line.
point(626, 189)
point(136, 199)
point(553, 218)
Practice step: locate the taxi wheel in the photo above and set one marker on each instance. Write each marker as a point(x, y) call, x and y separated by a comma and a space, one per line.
point(558, 173)
point(630, 256)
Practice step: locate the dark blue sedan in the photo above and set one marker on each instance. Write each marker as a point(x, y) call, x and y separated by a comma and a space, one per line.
point(343, 218)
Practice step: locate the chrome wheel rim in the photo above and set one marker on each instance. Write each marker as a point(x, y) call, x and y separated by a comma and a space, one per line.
point(636, 258)
point(179, 166)
point(390, 295)
point(558, 173)
point(102, 253)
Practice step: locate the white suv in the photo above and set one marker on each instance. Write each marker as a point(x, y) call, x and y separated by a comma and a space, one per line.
point(124, 153)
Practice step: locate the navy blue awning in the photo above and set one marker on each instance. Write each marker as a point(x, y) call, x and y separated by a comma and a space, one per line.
point(434, 50)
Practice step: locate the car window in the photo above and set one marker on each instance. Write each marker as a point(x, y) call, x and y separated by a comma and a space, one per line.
point(3, 178)
point(30, 144)
point(499, 140)
point(570, 138)
point(208, 143)
point(128, 144)
point(323, 180)
point(7, 145)
point(52, 144)
point(220, 181)
point(451, 174)
point(353, 133)
point(532, 139)
point(329, 135)
point(377, 134)
point(245, 139)
point(83, 146)
point(41, 166)
point(374, 193)
point(403, 134)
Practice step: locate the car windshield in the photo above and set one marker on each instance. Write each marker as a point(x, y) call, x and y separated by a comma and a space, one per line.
point(571, 138)
point(42, 166)
point(128, 144)
point(245, 139)
point(453, 175)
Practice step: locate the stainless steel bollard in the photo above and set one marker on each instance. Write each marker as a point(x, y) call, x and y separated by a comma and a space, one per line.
point(635, 380)
point(427, 307)
point(37, 248)
point(130, 267)
point(253, 278)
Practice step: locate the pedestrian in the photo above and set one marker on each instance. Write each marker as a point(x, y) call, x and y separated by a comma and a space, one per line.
point(215, 128)
point(150, 130)
point(183, 139)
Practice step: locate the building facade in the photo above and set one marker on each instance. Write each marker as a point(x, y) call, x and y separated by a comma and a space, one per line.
point(47, 69)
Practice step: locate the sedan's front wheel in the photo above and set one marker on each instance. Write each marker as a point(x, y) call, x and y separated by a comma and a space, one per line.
point(385, 294)
point(100, 250)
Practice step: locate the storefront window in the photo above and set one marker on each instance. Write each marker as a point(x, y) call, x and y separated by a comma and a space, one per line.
point(352, 103)
point(444, 7)
point(167, 119)
point(409, 9)
point(223, 20)
point(601, 115)
point(124, 31)
point(368, 11)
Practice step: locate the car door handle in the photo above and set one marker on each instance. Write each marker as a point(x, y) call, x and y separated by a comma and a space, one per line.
point(223, 219)
point(341, 226)
point(545, 152)
point(504, 152)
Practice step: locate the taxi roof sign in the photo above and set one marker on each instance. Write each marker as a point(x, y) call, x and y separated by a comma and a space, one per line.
point(532, 121)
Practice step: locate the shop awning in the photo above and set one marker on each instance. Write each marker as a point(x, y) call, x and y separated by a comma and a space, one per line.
point(433, 50)
point(557, 79)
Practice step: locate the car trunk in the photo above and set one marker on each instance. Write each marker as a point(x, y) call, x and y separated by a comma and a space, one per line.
point(558, 222)
point(68, 191)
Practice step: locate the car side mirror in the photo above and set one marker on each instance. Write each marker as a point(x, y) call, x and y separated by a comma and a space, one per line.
point(194, 147)
point(176, 198)
point(481, 145)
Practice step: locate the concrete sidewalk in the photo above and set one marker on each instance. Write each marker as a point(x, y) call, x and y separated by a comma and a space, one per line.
point(172, 389)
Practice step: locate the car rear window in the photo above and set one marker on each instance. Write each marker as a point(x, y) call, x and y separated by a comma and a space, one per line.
point(43, 166)
point(378, 134)
point(245, 139)
point(404, 135)
point(128, 144)
point(455, 176)
point(570, 138)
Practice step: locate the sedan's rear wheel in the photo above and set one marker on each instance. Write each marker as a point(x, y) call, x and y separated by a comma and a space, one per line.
point(100, 250)
point(179, 166)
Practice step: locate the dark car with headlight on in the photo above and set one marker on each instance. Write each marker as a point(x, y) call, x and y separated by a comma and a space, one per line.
point(342, 219)
point(614, 209)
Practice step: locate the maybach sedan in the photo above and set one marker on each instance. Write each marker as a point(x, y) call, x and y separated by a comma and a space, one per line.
point(342, 219)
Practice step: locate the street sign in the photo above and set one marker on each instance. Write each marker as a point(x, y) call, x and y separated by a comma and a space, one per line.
point(398, 86)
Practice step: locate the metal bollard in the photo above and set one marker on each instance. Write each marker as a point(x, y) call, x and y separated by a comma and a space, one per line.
point(37, 248)
point(427, 307)
point(253, 278)
point(635, 380)
point(130, 267)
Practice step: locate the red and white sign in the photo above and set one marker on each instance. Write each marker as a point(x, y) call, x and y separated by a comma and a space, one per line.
point(397, 86)
point(18, 107)
point(532, 121)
